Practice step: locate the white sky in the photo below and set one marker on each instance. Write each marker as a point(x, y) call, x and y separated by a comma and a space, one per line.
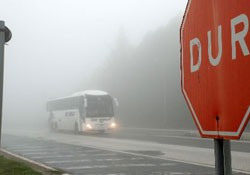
point(80, 29)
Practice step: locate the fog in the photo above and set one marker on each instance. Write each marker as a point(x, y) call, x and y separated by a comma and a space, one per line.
point(128, 48)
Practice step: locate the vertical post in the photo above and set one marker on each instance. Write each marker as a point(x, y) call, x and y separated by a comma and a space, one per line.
point(219, 158)
point(222, 152)
point(2, 42)
point(227, 157)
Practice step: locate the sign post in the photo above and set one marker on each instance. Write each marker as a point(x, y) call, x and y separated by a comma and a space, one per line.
point(227, 157)
point(219, 157)
point(222, 153)
point(5, 36)
point(215, 62)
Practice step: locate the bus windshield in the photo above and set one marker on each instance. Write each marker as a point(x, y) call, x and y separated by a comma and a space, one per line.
point(99, 106)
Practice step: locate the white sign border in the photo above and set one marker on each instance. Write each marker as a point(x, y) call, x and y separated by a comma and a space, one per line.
point(212, 133)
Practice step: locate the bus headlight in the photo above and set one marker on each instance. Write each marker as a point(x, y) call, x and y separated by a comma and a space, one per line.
point(113, 125)
point(89, 126)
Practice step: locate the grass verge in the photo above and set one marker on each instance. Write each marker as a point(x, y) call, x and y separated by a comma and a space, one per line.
point(12, 167)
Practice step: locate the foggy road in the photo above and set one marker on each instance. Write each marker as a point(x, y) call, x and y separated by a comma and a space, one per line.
point(123, 152)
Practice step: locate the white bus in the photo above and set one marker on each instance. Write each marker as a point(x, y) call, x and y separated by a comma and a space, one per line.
point(90, 110)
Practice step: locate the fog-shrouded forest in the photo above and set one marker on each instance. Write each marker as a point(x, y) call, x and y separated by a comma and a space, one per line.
point(146, 80)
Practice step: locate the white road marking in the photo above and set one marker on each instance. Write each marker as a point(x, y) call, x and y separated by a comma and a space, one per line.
point(57, 156)
point(25, 147)
point(106, 166)
point(135, 165)
point(56, 151)
point(85, 167)
point(176, 173)
point(86, 160)
point(34, 150)
point(135, 158)
point(168, 164)
point(67, 161)
point(101, 160)
point(91, 151)
point(107, 154)
point(38, 153)
point(158, 173)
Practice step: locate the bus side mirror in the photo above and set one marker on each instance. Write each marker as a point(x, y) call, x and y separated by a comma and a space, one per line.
point(116, 102)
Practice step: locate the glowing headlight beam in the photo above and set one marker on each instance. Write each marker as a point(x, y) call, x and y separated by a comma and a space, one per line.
point(89, 126)
point(113, 125)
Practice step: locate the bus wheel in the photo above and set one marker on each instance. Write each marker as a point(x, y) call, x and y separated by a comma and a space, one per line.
point(76, 129)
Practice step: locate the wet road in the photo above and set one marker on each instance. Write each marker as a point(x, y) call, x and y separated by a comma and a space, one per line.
point(89, 160)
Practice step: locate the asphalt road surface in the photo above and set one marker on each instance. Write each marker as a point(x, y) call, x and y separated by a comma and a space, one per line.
point(90, 160)
point(170, 137)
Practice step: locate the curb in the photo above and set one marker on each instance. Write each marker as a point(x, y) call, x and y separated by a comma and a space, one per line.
point(42, 168)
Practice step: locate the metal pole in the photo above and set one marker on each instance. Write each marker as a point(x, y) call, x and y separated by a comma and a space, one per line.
point(227, 157)
point(219, 158)
point(222, 152)
point(2, 42)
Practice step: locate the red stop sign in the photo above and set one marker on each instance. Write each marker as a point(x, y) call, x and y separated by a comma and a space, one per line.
point(215, 65)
